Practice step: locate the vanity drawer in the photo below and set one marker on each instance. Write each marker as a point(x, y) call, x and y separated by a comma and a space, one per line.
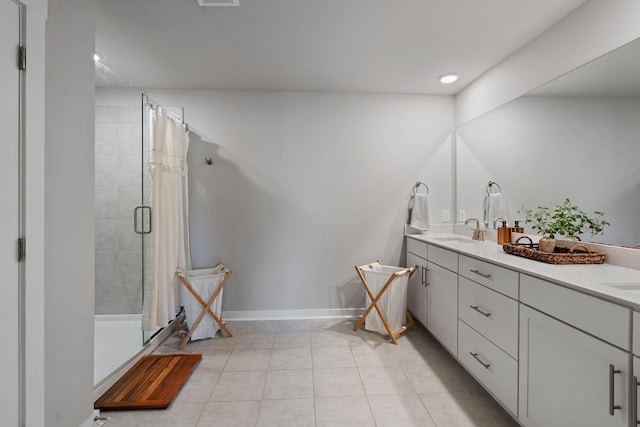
point(492, 276)
point(494, 368)
point(607, 321)
point(490, 313)
point(417, 247)
point(443, 257)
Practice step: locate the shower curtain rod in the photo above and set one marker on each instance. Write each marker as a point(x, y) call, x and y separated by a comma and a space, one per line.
point(153, 104)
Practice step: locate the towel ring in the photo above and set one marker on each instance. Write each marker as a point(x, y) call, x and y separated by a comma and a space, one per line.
point(417, 186)
point(492, 183)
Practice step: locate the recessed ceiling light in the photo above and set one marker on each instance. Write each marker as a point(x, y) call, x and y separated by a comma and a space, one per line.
point(97, 57)
point(218, 2)
point(448, 78)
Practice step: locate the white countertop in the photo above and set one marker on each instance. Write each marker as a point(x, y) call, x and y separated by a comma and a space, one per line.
point(593, 279)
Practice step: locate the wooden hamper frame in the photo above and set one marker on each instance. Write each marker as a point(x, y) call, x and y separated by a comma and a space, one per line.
point(375, 299)
point(205, 305)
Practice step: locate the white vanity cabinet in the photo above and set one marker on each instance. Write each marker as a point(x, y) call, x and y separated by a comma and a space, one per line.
point(488, 327)
point(432, 294)
point(417, 288)
point(442, 297)
point(569, 376)
point(635, 386)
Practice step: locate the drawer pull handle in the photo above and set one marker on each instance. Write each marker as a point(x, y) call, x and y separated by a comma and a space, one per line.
point(486, 276)
point(424, 276)
point(475, 307)
point(634, 399)
point(475, 356)
point(612, 372)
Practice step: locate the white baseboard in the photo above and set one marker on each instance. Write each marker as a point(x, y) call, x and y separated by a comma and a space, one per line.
point(327, 313)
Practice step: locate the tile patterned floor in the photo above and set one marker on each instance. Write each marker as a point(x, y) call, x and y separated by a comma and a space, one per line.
point(320, 373)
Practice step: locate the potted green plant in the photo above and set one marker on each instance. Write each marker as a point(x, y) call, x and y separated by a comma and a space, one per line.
point(565, 219)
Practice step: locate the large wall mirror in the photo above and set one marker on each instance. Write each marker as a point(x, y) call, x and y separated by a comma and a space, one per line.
point(577, 137)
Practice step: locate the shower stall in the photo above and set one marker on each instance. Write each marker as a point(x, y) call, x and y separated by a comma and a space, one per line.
point(123, 227)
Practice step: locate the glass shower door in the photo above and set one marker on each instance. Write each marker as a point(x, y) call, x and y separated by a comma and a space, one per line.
point(120, 251)
point(144, 211)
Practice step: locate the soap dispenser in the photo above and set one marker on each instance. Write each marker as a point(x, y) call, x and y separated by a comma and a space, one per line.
point(504, 234)
point(516, 228)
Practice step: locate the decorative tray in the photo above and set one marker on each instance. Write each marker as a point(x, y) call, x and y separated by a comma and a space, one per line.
point(577, 254)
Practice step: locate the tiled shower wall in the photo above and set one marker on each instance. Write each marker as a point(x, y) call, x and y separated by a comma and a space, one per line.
point(118, 191)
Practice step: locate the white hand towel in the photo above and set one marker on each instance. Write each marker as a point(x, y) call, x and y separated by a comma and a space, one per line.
point(420, 212)
point(495, 207)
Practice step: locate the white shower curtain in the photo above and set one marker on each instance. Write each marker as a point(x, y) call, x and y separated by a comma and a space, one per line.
point(169, 239)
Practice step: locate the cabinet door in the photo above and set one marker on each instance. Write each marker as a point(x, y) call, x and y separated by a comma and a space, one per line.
point(417, 289)
point(442, 306)
point(635, 391)
point(565, 377)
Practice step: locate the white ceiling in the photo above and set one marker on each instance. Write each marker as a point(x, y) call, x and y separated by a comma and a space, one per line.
point(389, 46)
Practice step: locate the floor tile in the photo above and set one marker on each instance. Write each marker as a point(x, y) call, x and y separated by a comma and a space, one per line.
point(427, 380)
point(332, 357)
point(292, 339)
point(216, 343)
point(123, 418)
point(176, 415)
point(230, 414)
point(288, 384)
point(255, 340)
point(455, 410)
point(410, 354)
point(287, 413)
point(373, 356)
point(328, 339)
point(233, 386)
point(321, 372)
point(399, 410)
point(297, 325)
point(198, 387)
point(213, 360)
point(248, 360)
point(343, 411)
point(291, 358)
point(332, 382)
point(385, 380)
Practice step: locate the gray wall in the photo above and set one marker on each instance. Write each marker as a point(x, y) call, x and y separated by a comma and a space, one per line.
point(69, 213)
point(304, 186)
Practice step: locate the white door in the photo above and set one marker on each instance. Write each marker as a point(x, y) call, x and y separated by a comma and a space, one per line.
point(566, 377)
point(417, 289)
point(9, 214)
point(442, 306)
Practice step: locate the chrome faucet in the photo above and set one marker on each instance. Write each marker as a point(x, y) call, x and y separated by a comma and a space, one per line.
point(477, 233)
point(495, 222)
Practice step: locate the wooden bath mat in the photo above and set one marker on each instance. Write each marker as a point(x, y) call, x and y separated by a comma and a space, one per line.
point(149, 384)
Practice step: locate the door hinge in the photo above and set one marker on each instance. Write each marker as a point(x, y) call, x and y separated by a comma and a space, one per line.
point(22, 58)
point(22, 249)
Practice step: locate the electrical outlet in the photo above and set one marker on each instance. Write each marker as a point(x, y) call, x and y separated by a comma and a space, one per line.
point(462, 215)
point(445, 216)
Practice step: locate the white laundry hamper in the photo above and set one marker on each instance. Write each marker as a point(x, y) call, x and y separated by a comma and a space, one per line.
point(387, 285)
point(202, 295)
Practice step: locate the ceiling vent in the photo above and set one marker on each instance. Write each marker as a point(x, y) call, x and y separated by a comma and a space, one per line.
point(218, 2)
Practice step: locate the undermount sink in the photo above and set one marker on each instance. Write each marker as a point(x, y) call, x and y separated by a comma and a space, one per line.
point(453, 240)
